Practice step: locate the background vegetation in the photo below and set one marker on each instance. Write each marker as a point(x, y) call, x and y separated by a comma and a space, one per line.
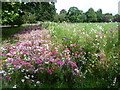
point(18, 13)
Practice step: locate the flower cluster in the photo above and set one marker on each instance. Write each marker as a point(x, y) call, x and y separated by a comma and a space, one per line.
point(33, 58)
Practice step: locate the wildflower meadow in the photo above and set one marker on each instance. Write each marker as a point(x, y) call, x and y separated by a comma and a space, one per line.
point(61, 55)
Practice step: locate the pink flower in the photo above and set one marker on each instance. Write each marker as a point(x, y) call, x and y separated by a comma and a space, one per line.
point(80, 49)
point(73, 45)
point(81, 53)
point(38, 82)
point(10, 54)
point(41, 68)
point(60, 63)
point(54, 52)
point(22, 80)
point(7, 77)
point(25, 53)
point(79, 56)
point(50, 72)
point(73, 64)
point(52, 60)
point(0, 77)
point(55, 68)
point(117, 28)
point(2, 54)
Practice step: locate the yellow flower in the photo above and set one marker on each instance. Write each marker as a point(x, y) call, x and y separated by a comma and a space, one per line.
point(0, 68)
point(3, 61)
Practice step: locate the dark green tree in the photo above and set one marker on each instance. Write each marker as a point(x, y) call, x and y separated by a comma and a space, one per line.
point(99, 15)
point(108, 17)
point(83, 18)
point(74, 14)
point(91, 15)
point(11, 13)
point(116, 18)
point(44, 11)
point(63, 11)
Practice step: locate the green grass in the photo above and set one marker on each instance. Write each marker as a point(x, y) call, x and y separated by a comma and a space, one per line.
point(7, 32)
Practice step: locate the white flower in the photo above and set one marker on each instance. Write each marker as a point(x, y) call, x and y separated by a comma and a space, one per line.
point(14, 86)
point(26, 77)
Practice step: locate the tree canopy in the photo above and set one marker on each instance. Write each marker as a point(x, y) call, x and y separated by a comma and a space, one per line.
point(16, 13)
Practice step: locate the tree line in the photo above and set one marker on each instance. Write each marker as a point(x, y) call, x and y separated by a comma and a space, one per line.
point(16, 13)
point(76, 15)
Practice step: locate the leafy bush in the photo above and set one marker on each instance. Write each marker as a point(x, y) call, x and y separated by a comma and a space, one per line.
point(29, 17)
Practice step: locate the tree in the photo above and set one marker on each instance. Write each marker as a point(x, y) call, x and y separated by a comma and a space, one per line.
point(107, 17)
point(74, 14)
point(99, 15)
point(83, 18)
point(11, 13)
point(44, 11)
point(59, 17)
point(91, 15)
point(116, 18)
point(63, 11)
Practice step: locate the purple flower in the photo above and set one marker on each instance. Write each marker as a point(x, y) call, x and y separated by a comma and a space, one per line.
point(60, 63)
point(98, 32)
point(111, 31)
point(99, 55)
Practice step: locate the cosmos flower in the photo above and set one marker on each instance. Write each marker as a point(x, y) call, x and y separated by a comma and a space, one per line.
point(117, 28)
point(73, 45)
point(38, 82)
point(14, 86)
point(111, 31)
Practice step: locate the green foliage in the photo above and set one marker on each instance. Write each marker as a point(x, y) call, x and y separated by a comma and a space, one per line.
point(74, 14)
point(29, 17)
point(63, 11)
point(11, 13)
point(91, 15)
point(15, 13)
point(43, 11)
point(116, 18)
point(99, 15)
point(60, 17)
point(107, 17)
